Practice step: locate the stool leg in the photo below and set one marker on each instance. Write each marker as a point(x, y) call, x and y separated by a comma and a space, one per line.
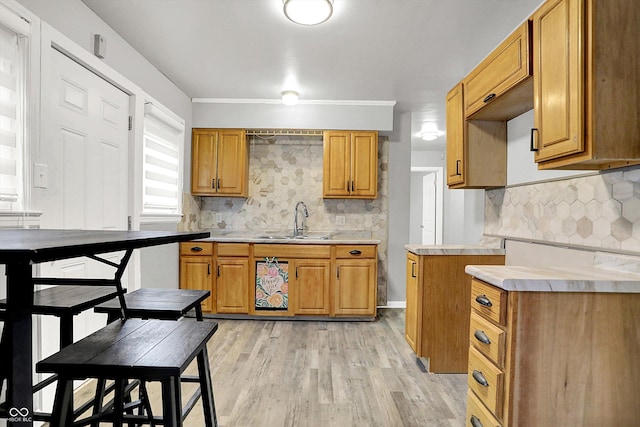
point(118, 402)
point(97, 403)
point(208, 405)
point(171, 402)
point(61, 416)
point(66, 338)
point(199, 312)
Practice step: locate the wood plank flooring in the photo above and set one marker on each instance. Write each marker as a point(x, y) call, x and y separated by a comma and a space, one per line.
point(310, 373)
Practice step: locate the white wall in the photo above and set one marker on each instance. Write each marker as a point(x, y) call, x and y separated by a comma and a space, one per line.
point(399, 201)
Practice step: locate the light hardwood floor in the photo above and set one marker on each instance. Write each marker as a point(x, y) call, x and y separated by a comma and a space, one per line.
point(307, 373)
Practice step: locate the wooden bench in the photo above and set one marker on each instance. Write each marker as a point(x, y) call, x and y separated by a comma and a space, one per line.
point(152, 303)
point(147, 350)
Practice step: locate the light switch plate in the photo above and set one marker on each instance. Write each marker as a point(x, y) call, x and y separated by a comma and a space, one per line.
point(218, 218)
point(340, 220)
point(40, 175)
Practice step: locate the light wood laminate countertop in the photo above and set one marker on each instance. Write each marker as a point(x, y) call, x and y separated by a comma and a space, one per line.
point(453, 250)
point(556, 279)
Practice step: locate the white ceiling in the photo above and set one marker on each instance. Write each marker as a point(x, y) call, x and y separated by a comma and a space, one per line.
point(408, 51)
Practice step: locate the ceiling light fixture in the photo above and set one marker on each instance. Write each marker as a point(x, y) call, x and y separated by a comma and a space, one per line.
point(289, 97)
point(308, 12)
point(430, 136)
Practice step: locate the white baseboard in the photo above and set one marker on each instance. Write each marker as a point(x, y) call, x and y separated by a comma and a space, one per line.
point(394, 304)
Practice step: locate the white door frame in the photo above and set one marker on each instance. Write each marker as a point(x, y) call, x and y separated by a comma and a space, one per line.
point(439, 196)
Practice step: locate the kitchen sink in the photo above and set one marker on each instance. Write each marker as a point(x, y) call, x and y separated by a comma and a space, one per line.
point(291, 237)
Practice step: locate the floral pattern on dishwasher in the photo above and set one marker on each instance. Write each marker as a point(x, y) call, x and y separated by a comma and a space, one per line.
point(272, 284)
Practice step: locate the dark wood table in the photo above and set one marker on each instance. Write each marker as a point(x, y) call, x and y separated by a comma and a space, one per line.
point(20, 249)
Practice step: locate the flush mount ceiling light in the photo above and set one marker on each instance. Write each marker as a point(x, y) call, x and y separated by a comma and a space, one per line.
point(289, 97)
point(308, 12)
point(430, 136)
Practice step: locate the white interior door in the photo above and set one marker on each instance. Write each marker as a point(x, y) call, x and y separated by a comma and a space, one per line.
point(84, 158)
point(429, 209)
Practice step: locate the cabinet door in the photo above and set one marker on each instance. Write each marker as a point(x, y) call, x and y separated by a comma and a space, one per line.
point(355, 287)
point(364, 164)
point(232, 163)
point(195, 273)
point(232, 285)
point(455, 136)
point(411, 329)
point(310, 287)
point(558, 79)
point(336, 164)
point(203, 162)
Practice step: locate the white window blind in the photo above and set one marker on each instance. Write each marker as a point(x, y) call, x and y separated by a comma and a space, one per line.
point(13, 40)
point(163, 135)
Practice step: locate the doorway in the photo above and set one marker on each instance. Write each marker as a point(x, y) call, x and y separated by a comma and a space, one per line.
point(426, 210)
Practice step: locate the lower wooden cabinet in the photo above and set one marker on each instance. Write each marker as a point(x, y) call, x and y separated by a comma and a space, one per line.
point(309, 287)
point(196, 265)
point(355, 280)
point(539, 359)
point(323, 280)
point(437, 313)
point(232, 285)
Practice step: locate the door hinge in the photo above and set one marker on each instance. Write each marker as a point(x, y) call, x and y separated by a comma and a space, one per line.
point(130, 122)
point(129, 223)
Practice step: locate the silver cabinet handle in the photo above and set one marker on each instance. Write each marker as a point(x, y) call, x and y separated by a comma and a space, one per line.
point(480, 379)
point(484, 300)
point(482, 337)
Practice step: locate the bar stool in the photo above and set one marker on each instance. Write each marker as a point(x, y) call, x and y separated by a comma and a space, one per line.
point(65, 302)
point(147, 350)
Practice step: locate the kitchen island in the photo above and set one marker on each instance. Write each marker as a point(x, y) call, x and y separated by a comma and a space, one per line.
point(553, 346)
point(437, 314)
point(278, 274)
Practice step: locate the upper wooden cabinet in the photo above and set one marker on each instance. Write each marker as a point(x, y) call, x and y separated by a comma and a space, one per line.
point(586, 80)
point(219, 163)
point(476, 149)
point(350, 165)
point(500, 87)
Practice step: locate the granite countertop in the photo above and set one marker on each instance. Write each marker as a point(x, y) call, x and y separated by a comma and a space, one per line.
point(556, 279)
point(453, 250)
point(351, 237)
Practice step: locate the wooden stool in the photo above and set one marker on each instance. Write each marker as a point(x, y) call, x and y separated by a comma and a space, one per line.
point(148, 350)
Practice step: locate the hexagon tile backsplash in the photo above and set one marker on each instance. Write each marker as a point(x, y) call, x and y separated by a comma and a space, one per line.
point(600, 211)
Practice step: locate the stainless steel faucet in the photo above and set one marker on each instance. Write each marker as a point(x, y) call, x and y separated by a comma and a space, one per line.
point(299, 231)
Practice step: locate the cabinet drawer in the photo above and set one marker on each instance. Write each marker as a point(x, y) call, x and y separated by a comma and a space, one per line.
point(488, 338)
point(486, 381)
point(504, 68)
point(196, 248)
point(489, 301)
point(475, 409)
point(233, 249)
point(291, 251)
point(356, 251)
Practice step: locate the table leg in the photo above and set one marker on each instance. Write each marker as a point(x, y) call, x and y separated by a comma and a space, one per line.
point(19, 342)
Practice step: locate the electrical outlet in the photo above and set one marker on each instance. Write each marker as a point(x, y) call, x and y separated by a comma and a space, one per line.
point(340, 220)
point(218, 218)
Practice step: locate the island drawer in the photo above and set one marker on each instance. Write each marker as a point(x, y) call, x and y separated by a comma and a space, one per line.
point(477, 411)
point(486, 381)
point(488, 338)
point(489, 301)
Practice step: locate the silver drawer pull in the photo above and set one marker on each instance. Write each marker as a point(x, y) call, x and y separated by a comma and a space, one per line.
point(482, 337)
point(484, 300)
point(475, 421)
point(480, 379)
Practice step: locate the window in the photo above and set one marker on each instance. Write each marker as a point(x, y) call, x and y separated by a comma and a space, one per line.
point(162, 164)
point(14, 37)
